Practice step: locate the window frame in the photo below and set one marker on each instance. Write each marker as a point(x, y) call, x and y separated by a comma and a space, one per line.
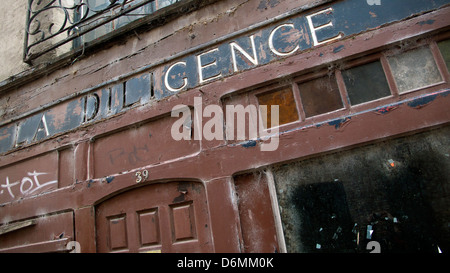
point(159, 17)
point(336, 67)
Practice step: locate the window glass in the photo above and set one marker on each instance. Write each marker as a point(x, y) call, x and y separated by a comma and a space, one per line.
point(99, 5)
point(320, 96)
point(392, 193)
point(136, 14)
point(365, 83)
point(164, 3)
point(285, 100)
point(414, 69)
point(444, 46)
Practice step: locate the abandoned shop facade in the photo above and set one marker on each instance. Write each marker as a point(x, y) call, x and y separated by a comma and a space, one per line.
point(225, 126)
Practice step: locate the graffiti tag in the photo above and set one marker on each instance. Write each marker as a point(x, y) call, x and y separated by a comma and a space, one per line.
point(27, 185)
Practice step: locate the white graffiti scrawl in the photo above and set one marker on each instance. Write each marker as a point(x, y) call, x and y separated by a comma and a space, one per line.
point(27, 185)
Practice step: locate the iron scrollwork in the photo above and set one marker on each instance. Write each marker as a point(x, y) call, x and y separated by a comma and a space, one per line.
point(53, 23)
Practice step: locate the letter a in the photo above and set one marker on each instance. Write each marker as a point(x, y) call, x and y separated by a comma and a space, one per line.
point(42, 130)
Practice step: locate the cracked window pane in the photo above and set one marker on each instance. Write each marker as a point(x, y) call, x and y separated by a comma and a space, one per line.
point(414, 69)
point(365, 83)
point(444, 47)
point(285, 100)
point(320, 96)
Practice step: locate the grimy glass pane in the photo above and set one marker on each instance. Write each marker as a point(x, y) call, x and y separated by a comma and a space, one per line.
point(320, 96)
point(393, 193)
point(285, 100)
point(444, 46)
point(414, 69)
point(365, 83)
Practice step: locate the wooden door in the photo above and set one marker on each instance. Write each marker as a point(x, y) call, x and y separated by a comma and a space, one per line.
point(166, 217)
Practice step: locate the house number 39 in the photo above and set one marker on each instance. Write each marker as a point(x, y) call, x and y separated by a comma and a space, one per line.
point(141, 176)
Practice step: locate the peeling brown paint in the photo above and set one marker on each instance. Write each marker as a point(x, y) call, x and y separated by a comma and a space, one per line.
point(97, 164)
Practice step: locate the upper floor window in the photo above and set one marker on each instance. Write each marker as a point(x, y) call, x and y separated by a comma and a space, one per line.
point(374, 81)
point(57, 26)
point(110, 11)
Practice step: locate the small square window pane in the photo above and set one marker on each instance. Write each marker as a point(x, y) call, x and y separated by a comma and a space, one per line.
point(136, 14)
point(444, 47)
point(320, 96)
point(285, 100)
point(414, 69)
point(165, 3)
point(365, 83)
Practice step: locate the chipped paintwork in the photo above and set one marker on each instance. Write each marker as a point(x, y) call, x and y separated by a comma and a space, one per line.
point(385, 109)
point(109, 179)
point(338, 48)
point(249, 144)
point(338, 123)
point(100, 141)
point(427, 22)
point(239, 53)
point(422, 101)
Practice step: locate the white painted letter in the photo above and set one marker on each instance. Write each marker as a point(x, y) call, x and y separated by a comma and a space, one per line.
point(41, 127)
point(314, 29)
point(166, 78)
point(200, 67)
point(253, 59)
point(95, 100)
point(272, 48)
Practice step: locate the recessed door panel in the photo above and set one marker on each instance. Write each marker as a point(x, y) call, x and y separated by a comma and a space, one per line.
point(166, 217)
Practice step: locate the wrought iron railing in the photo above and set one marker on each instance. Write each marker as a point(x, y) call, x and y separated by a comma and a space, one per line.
point(64, 24)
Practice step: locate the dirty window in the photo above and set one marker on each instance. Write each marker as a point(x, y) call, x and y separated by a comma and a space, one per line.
point(53, 27)
point(414, 69)
point(365, 83)
point(320, 96)
point(285, 100)
point(392, 194)
point(444, 47)
point(97, 5)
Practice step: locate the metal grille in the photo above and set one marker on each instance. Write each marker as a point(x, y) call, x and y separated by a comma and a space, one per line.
point(60, 24)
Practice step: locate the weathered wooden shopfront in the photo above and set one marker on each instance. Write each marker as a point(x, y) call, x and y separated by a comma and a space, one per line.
point(97, 151)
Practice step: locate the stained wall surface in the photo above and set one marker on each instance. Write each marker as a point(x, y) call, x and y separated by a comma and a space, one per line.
point(163, 135)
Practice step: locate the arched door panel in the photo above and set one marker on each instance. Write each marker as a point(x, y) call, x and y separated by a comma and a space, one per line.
point(166, 217)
